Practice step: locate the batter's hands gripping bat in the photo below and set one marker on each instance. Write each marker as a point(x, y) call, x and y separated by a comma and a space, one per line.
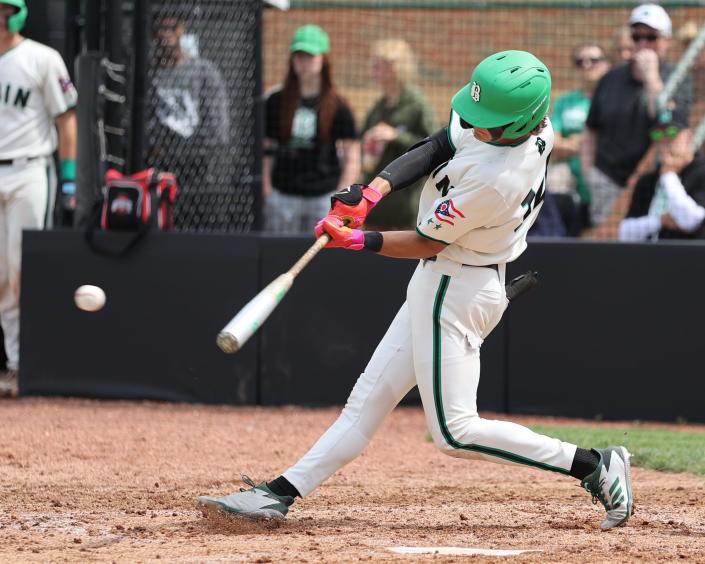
point(241, 327)
point(521, 284)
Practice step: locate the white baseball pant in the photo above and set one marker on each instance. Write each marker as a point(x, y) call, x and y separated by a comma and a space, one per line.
point(27, 192)
point(434, 343)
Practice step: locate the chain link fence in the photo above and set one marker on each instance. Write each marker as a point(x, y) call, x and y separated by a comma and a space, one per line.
point(577, 40)
point(203, 88)
point(206, 64)
point(192, 104)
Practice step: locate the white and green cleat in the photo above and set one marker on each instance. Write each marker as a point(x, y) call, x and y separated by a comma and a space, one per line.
point(257, 502)
point(611, 483)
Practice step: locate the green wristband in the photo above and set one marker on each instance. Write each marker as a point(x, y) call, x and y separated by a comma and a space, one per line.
point(67, 169)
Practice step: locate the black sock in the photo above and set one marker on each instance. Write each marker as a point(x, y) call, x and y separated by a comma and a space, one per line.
point(584, 463)
point(282, 486)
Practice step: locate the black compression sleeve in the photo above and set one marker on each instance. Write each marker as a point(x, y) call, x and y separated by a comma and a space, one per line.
point(419, 161)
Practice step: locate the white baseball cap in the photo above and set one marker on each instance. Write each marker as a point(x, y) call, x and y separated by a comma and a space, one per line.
point(652, 15)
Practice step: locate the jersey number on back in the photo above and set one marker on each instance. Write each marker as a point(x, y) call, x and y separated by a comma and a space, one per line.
point(532, 201)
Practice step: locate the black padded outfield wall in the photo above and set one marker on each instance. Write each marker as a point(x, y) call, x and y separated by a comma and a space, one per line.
point(612, 331)
point(155, 337)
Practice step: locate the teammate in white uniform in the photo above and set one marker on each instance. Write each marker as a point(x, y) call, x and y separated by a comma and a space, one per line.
point(36, 99)
point(486, 185)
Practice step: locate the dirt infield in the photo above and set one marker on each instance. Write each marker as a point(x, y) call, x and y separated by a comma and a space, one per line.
point(116, 481)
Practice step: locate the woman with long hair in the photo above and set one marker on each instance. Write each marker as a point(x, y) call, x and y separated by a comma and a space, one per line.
point(311, 145)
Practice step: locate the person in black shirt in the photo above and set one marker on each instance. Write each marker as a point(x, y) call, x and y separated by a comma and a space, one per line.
point(669, 202)
point(623, 110)
point(311, 145)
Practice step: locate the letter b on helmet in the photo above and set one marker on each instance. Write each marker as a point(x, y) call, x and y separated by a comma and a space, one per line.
point(510, 89)
point(16, 21)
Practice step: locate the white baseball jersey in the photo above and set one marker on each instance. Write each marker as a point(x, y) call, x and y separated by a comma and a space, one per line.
point(483, 201)
point(35, 88)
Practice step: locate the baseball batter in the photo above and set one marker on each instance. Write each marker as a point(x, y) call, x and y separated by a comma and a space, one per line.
point(487, 180)
point(36, 99)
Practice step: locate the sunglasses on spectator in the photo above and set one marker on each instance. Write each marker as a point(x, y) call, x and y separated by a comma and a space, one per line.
point(650, 37)
point(661, 133)
point(581, 62)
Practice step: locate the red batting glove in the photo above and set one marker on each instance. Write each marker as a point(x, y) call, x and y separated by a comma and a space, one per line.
point(353, 204)
point(340, 236)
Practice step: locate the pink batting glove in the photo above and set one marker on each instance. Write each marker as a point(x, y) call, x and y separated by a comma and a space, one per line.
point(340, 236)
point(354, 203)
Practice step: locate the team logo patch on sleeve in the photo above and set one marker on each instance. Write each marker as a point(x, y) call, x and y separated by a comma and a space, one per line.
point(447, 212)
point(66, 84)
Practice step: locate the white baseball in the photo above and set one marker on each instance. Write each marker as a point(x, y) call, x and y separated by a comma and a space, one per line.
point(89, 298)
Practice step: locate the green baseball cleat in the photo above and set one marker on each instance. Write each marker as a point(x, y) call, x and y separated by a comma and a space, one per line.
point(258, 502)
point(611, 483)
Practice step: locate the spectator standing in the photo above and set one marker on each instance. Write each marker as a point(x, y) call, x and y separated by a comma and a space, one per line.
point(669, 202)
point(310, 129)
point(399, 118)
point(188, 120)
point(565, 176)
point(623, 110)
point(38, 100)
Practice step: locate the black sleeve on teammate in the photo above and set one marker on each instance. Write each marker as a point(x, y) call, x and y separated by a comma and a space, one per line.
point(419, 161)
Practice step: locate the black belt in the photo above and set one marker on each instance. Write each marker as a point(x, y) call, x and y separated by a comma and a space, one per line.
point(8, 162)
point(492, 266)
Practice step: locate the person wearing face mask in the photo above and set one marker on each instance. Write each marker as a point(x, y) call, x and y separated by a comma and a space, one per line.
point(669, 202)
point(311, 144)
point(624, 109)
point(188, 120)
point(565, 176)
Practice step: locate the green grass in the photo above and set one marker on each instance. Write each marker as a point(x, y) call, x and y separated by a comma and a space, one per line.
point(659, 449)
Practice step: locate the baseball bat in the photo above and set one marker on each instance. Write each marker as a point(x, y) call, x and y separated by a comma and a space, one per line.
point(251, 317)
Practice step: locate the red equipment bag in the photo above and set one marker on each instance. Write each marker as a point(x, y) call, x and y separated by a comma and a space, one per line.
point(145, 198)
point(132, 203)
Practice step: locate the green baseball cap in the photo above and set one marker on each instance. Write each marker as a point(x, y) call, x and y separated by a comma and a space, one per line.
point(310, 39)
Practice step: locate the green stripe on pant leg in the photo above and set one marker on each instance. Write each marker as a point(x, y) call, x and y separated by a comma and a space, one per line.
point(47, 208)
point(438, 397)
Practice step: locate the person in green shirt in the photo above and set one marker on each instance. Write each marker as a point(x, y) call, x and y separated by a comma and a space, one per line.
point(400, 118)
point(568, 118)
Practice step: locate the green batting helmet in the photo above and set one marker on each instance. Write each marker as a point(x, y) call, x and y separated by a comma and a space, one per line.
point(16, 21)
point(511, 89)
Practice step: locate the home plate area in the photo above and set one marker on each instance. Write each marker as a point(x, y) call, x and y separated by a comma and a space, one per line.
point(456, 551)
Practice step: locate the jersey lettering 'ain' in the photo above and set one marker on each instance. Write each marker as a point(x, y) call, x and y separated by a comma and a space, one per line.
point(14, 95)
